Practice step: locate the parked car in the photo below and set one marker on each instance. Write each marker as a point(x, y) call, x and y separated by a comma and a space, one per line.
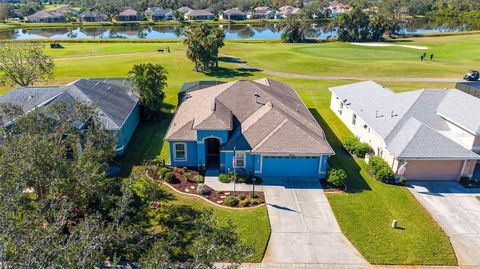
point(472, 75)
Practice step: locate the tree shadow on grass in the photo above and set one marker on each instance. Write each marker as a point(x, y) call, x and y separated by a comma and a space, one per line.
point(342, 159)
point(222, 72)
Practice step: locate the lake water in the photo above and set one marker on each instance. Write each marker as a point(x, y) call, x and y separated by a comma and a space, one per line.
point(264, 31)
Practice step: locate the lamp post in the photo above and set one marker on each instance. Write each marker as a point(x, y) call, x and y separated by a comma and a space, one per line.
point(254, 179)
point(234, 164)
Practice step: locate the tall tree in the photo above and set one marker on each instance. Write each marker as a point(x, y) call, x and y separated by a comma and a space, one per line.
point(294, 31)
point(24, 63)
point(203, 44)
point(4, 10)
point(149, 81)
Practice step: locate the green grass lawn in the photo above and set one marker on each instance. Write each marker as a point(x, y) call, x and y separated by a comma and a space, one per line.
point(365, 213)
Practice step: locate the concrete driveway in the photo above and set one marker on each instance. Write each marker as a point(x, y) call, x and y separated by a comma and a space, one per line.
point(457, 211)
point(304, 229)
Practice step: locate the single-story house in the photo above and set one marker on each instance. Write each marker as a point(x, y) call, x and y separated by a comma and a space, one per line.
point(184, 10)
point(337, 8)
point(46, 17)
point(287, 11)
point(262, 126)
point(159, 14)
point(233, 14)
point(129, 14)
point(118, 107)
point(68, 9)
point(263, 13)
point(93, 16)
point(470, 87)
point(430, 134)
point(199, 15)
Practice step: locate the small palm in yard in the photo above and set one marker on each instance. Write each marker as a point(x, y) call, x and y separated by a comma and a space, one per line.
point(149, 81)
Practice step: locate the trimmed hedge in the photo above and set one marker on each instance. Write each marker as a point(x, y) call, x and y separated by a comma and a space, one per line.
point(380, 169)
point(355, 147)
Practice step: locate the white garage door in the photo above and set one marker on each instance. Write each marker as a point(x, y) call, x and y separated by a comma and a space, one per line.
point(434, 170)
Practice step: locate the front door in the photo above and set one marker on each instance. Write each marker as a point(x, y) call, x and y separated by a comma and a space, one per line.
point(212, 148)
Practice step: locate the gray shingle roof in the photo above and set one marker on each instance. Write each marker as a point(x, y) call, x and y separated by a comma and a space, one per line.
point(45, 14)
point(415, 124)
point(234, 11)
point(199, 12)
point(278, 123)
point(115, 103)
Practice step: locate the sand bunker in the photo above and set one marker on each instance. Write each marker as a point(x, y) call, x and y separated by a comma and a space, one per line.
point(389, 45)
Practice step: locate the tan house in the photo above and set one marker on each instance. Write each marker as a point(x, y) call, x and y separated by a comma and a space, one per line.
point(430, 134)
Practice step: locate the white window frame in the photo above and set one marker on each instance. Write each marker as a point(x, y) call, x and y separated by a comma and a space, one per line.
point(175, 152)
point(244, 156)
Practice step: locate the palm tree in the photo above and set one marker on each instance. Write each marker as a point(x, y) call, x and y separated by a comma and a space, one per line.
point(148, 81)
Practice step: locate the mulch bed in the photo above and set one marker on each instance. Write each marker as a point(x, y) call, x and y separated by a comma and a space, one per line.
point(327, 187)
point(189, 186)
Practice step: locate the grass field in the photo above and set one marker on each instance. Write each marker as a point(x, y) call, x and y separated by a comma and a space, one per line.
point(365, 213)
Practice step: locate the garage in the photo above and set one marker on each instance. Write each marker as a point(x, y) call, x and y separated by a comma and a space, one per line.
point(434, 170)
point(290, 166)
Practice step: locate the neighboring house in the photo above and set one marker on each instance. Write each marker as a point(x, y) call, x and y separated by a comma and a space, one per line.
point(199, 15)
point(129, 14)
point(266, 124)
point(184, 10)
point(159, 14)
point(470, 87)
point(337, 8)
point(46, 17)
point(424, 134)
point(118, 107)
point(93, 16)
point(287, 11)
point(233, 14)
point(263, 13)
point(68, 9)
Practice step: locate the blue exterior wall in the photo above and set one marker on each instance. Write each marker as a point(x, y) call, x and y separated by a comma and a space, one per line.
point(228, 162)
point(201, 135)
point(192, 156)
point(125, 134)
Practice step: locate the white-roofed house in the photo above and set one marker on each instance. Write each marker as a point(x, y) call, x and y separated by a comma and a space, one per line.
point(433, 133)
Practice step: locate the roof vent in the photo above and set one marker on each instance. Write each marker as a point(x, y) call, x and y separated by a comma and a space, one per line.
point(257, 98)
point(30, 96)
point(377, 115)
point(297, 108)
point(393, 114)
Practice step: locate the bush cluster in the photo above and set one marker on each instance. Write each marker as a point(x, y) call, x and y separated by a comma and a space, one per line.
point(355, 147)
point(231, 201)
point(199, 179)
point(380, 169)
point(163, 172)
point(202, 189)
point(170, 177)
point(224, 178)
point(336, 176)
point(186, 175)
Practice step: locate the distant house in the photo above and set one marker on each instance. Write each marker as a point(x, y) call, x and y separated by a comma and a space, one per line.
point(337, 8)
point(287, 11)
point(93, 16)
point(118, 106)
point(233, 14)
point(199, 15)
point(159, 14)
point(46, 17)
point(67, 9)
point(262, 127)
point(263, 13)
point(129, 14)
point(470, 87)
point(427, 134)
point(184, 10)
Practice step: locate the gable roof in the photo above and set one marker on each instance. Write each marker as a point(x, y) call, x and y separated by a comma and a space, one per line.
point(278, 123)
point(115, 103)
point(263, 10)
point(45, 14)
point(234, 11)
point(128, 12)
point(406, 120)
point(93, 14)
point(199, 12)
point(66, 9)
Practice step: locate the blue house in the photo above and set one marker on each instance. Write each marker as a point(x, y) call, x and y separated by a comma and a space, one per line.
point(118, 107)
point(263, 124)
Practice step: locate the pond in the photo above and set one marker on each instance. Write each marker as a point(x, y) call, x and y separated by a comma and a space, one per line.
point(256, 31)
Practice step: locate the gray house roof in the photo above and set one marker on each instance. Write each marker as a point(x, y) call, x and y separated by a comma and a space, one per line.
point(93, 14)
point(115, 103)
point(278, 123)
point(46, 14)
point(234, 11)
point(415, 124)
point(199, 12)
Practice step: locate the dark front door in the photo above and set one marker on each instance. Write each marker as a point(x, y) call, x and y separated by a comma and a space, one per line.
point(213, 153)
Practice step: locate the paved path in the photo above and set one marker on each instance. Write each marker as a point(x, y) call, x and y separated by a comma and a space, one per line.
point(457, 211)
point(215, 184)
point(304, 229)
point(290, 75)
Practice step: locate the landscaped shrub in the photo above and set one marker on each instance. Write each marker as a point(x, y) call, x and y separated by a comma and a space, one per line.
point(202, 189)
point(170, 177)
point(385, 175)
point(256, 201)
point(336, 177)
point(163, 171)
point(224, 178)
point(402, 181)
point(231, 201)
point(242, 196)
point(375, 163)
point(354, 146)
point(244, 203)
point(186, 175)
point(199, 179)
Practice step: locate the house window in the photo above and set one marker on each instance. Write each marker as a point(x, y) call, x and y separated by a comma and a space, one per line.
point(180, 152)
point(240, 156)
point(354, 119)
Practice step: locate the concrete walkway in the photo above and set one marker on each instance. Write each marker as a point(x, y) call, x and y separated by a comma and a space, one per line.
point(304, 229)
point(457, 211)
point(215, 184)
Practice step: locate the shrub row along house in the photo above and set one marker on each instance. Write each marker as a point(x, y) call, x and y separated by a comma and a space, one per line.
point(263, 123)
point(118, 107)
point(429, 134)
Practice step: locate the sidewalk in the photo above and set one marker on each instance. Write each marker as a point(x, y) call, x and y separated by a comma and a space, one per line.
point(215, 184)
